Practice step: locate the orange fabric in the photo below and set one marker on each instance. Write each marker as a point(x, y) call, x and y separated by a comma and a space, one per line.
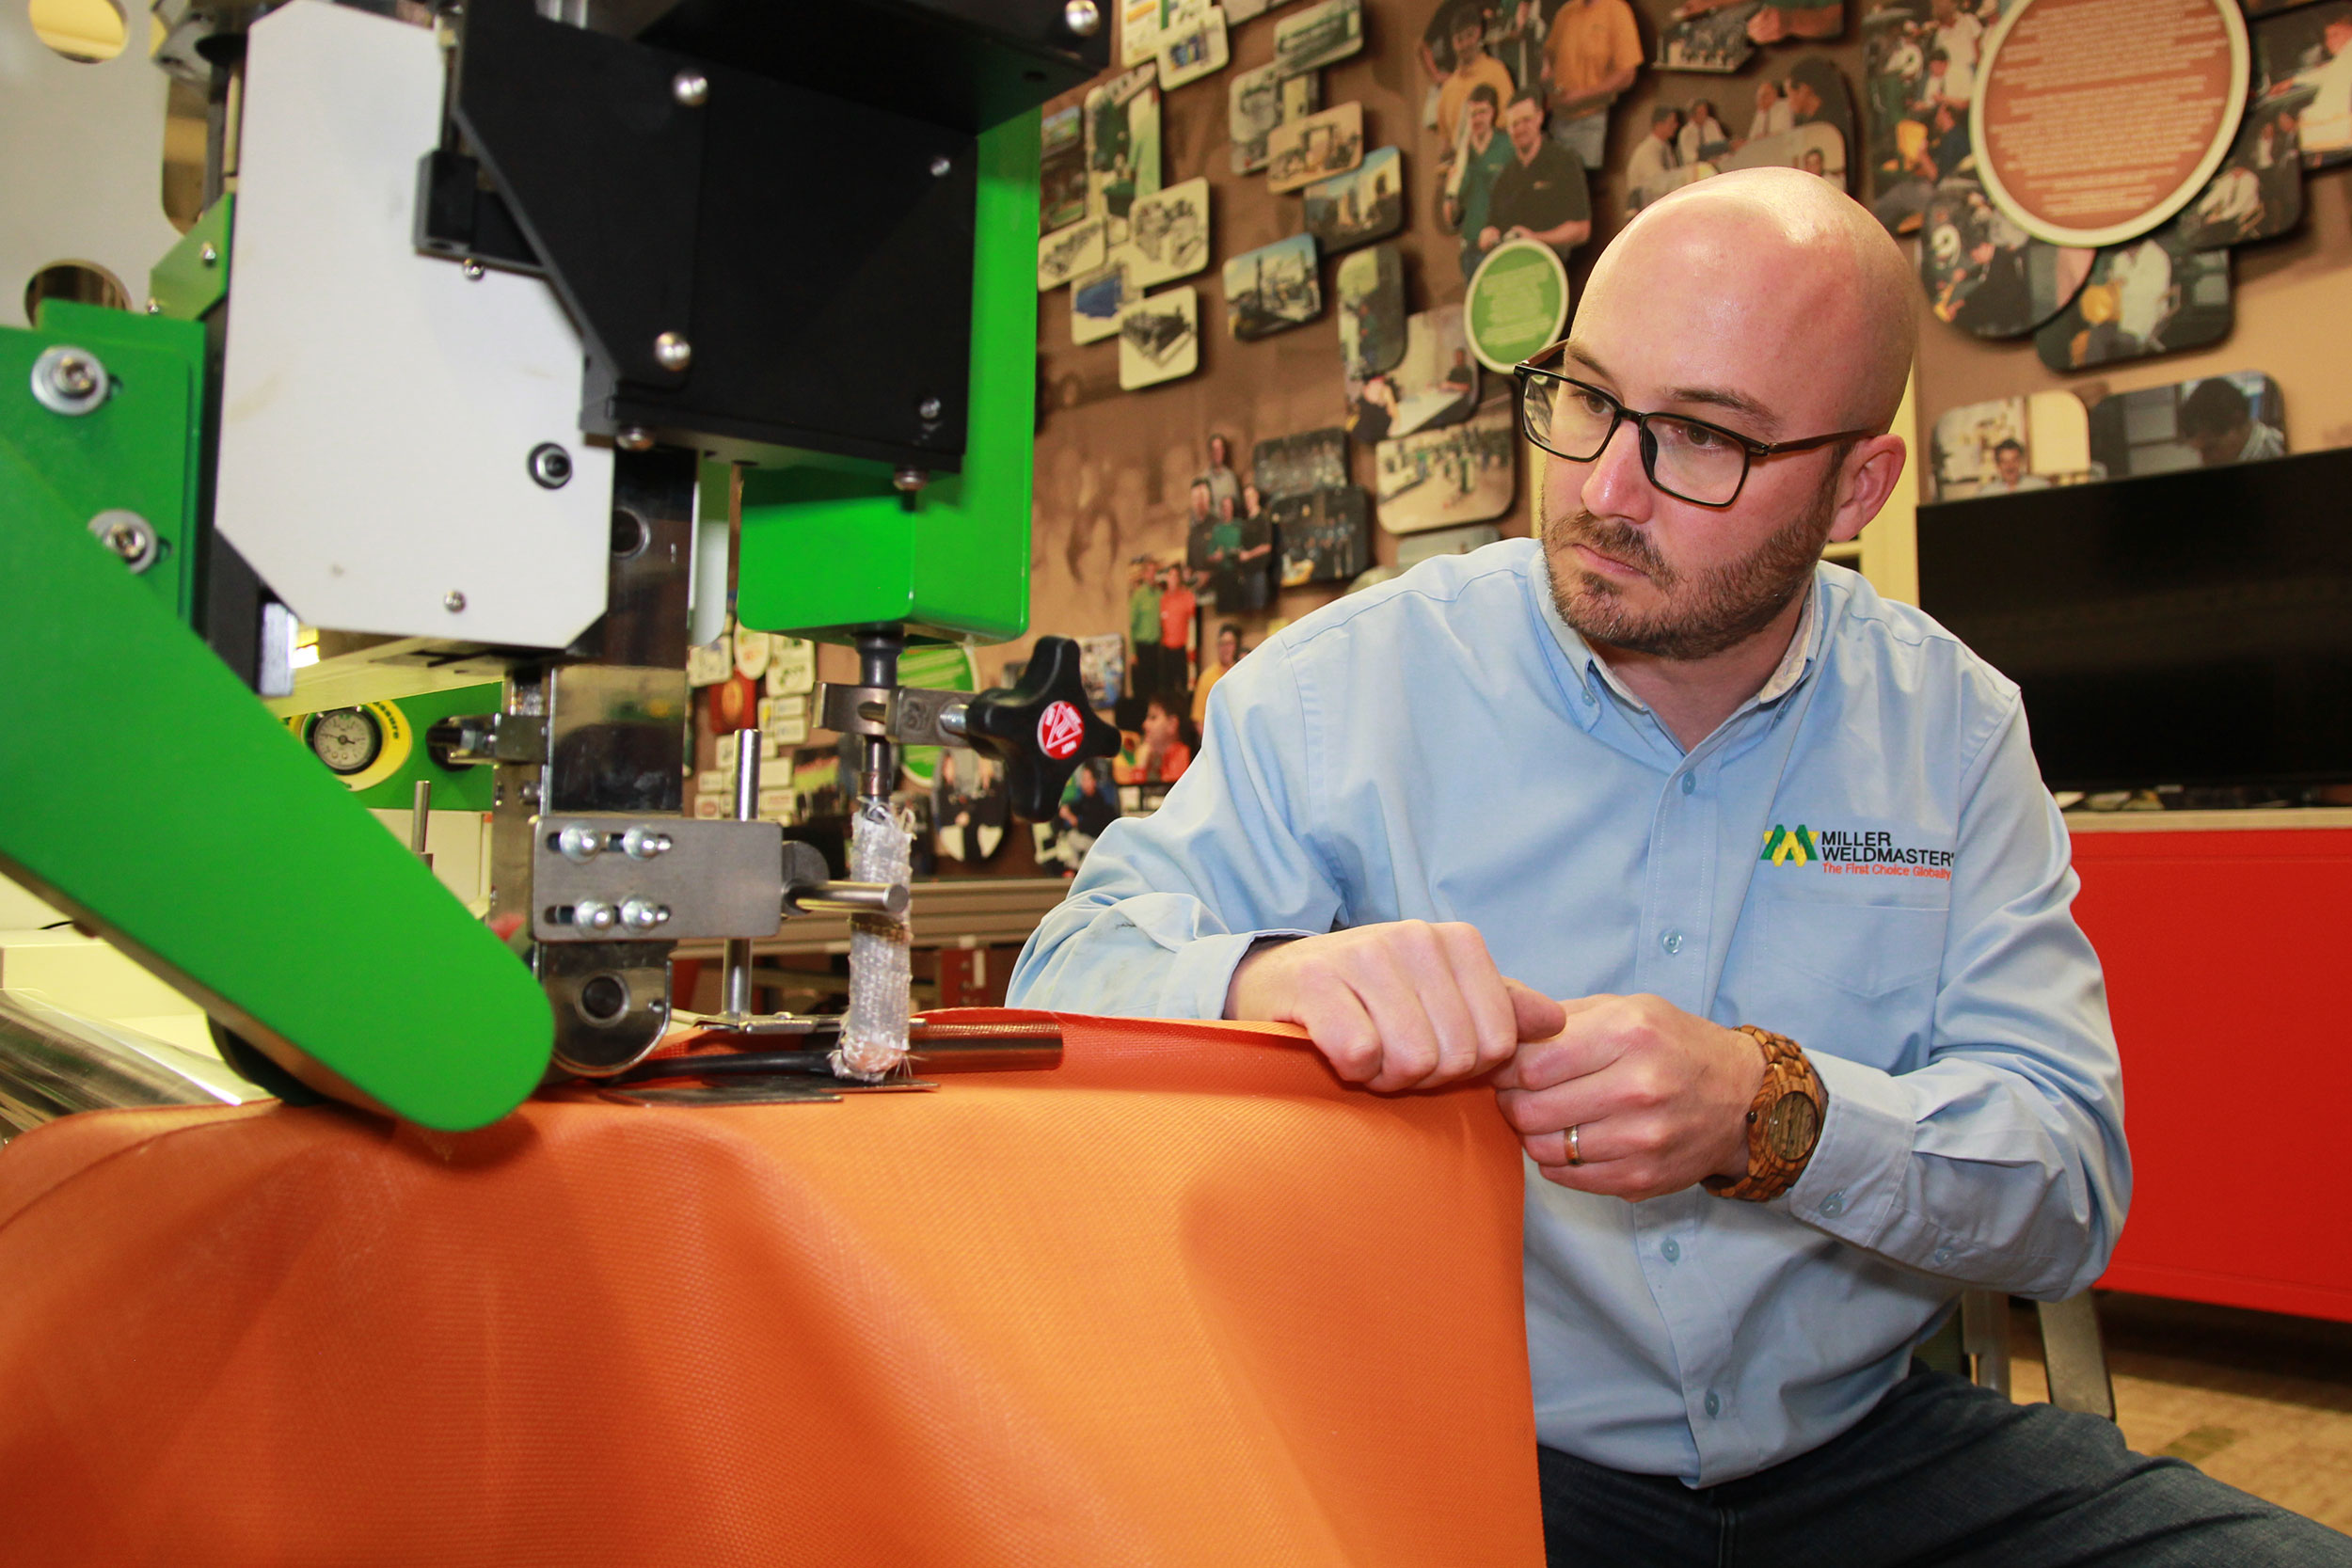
point(1186, 1300)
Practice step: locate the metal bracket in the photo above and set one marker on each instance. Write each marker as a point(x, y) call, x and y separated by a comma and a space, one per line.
point(621, 876)
point(910, 715)
point(470, 740)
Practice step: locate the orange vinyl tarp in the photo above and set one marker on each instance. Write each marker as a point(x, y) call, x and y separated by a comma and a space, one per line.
point(1185, 1299)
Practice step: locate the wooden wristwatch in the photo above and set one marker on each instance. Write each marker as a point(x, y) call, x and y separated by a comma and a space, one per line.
point(1784, 1121)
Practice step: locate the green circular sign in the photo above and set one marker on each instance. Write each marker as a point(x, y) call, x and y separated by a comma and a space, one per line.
point(1517, 304)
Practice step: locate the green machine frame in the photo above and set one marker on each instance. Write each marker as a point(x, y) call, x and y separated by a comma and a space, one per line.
point(148, 793)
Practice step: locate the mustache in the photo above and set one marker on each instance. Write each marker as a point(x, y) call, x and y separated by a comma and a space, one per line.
point(1618, 541)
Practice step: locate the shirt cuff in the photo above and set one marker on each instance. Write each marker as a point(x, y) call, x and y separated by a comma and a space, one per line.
point(1851, 1185)
point(1202, 972)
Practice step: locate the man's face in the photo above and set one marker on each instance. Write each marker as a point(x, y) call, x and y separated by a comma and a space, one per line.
point(1228, 649)
point(1159, 726)
point(2011, 464)
point(1469, 41)
point(1812, 163)
point(1664, 129)
point(1200, 502)
point(2216, 447)
point(1482, 120)
point(1217, 452)
point(1678, 322)
point(1525, 124)
point(1804, 102)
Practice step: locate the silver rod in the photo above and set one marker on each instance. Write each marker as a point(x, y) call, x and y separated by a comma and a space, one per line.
point(888, 899)
point(420, 820)
point(735, 957)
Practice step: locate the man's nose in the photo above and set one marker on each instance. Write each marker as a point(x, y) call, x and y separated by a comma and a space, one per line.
point(1615, 483)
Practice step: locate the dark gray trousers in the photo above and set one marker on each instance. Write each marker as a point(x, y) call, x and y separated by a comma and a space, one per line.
point(1941, 1473)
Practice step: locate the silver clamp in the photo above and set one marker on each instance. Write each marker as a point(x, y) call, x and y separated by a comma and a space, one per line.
point(910, 715)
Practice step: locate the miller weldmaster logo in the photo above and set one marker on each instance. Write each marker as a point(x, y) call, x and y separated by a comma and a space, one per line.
point(1854, 852)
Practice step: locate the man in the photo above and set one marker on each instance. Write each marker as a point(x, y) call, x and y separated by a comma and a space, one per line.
point(1540, 194)
point(2327, 123)
point(1657, 156)
point(1223, 485)
point(1477, 161)
point(1589, 56)
point(1472, 68)
point(2009, 472)
point(1773, 114)
point(1180, 630)
point(1228, 651)
point(1713, 771)
point(1159, 755)
point(1143, 612)
point(2217, 420)
point(1957, 36)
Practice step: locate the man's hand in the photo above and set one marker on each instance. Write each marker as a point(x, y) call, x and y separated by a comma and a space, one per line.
point(1659, 1096)
point(1402, 1005)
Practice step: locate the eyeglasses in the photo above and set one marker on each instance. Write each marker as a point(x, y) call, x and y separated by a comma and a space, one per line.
point(1688, 459)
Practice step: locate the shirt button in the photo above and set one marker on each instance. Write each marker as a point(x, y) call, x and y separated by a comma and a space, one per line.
point(1944, 1253)
point(1714, 1404)
point(1834, 1204)
point(1689, 784)
point(1671, 942)
point(1673, 1250)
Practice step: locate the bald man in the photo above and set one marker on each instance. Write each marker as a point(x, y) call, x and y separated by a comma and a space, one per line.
point(1742, 884)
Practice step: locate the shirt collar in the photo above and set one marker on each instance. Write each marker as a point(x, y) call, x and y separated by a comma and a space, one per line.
point(1591, 671)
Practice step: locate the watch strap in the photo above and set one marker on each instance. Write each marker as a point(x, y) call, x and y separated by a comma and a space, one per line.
point(1785, 1122)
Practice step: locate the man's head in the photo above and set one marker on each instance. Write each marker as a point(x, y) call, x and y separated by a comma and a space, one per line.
point(1702, 111)
point(1228, 644)
point(1201, 494)
point(1220, 453)
point(1804, 101)
point(1160, 721)
point(1765, 302)
point(1088, 782)
point(1469, 32)
point(1523, 121)
point(2009, 461)
point(1224, 508)
point(1814, 164)
point(1767, 93)
point(1664, 120)
point(2216, 418)
point(2337, 34)
point(1171, 578)
point(1485, 105)
point(1252, 499)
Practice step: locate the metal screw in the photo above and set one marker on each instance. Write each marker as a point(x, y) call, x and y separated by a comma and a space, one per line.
point(128, 535)
point(530, 792)
point(633, 438)
point(911, 479)
point(1084, 16)
point(580, 844)
point(929, 408)
point(643, 844)
point(153, 308)
point(595, 913)
point(941, 165)
point(70, 381)
point(209, 256)
point(472, 269)
point(550, 465)
point(644, 914)
point(689, 87)
point(453, 601)
point(673, 351)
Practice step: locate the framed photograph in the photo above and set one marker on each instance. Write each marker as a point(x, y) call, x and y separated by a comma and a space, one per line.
point(1301, 152)
point(2303, 64)
point(791, 667)
point(1097, 297)
point(1298, 465)
point(1712, 40)
point(1258, 102)
point(970, 809)
point(1067, 252)
point(2213, 421)
point(1123, 121)
point(1357, 208)
point(1231, 550)
point(1434, 382)
point(2149, 297)
point(1103, 669)
point(2257, 193)
point(1139, 33)
point(2005, 445)
point(1273, 287)
point(1463, 473)
point(1318, 35)
point(1062, 172)
point(1371, 286)
point(1159, 339)
point(1167, 234)
point(1193, 47)
point(1320, 535)
point(1985, 274)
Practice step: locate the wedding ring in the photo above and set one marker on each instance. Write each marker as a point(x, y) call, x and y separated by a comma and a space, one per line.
point(1575, 1150)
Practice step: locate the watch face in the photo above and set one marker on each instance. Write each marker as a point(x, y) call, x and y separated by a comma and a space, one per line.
point(346, 739)
point(1793, 1125)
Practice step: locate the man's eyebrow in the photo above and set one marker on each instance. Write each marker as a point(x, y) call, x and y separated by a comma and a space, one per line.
point(1715, 397)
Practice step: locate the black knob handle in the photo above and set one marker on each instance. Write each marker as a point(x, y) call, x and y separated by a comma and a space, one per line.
point(1040, 729)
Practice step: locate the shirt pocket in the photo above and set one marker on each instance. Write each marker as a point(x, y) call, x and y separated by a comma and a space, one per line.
point(1865, 950)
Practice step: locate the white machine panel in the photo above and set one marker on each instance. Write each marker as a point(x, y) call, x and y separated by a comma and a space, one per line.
point(380, 407)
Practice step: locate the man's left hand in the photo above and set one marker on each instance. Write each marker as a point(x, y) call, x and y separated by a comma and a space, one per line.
point(1659, 1097)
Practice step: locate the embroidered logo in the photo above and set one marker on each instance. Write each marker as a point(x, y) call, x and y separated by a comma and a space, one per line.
point(1784, 847)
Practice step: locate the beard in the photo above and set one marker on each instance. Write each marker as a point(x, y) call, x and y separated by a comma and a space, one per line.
point(1703, 615)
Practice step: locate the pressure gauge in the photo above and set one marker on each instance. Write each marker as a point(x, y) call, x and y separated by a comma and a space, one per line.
point(346, 739)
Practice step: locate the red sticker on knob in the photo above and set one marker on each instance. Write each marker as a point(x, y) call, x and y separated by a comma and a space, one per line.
point(1059, 730)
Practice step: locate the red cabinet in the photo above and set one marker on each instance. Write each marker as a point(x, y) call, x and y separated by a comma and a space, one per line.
point(2225, 951)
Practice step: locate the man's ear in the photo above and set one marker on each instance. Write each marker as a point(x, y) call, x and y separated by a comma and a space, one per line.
point(1871, 471)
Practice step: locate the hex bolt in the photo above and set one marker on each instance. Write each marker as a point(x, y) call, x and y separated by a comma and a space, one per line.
point(929, 408)
point(580, 844)
point(633, 438)
point(551, 466)
point(690, 87)
point(1083, 17)
point(941, 165)
point(70, 381)
point(673, 351)
point(453, 601)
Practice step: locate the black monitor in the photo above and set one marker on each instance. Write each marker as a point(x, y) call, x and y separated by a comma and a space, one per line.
point(2184, 628)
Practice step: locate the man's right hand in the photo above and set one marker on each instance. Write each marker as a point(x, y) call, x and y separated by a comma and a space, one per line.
point(1407, 1004)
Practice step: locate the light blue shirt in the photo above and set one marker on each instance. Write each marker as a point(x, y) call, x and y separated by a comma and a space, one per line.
point(1863, 857)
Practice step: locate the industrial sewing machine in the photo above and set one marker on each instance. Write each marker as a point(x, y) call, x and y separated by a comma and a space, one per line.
point(513, 341)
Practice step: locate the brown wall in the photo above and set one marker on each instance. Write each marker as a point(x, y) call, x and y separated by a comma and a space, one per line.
point(1113, 467)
